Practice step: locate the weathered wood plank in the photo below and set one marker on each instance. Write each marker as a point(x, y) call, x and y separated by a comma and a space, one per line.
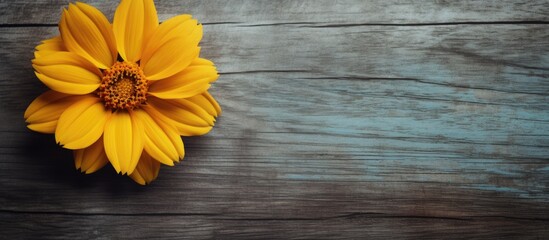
point(371, 226)
point(265, 12)
point(329, 130)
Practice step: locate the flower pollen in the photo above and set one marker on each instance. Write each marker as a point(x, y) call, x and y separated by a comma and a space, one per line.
point(123, 86)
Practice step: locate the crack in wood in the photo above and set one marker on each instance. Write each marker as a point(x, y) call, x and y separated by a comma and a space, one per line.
point(325, 24)
point(350, 216)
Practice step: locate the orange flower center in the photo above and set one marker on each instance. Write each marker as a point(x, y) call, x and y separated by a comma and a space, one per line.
point(123, 86)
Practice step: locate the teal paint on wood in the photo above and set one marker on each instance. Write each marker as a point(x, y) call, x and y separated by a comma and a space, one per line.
point(367, 119)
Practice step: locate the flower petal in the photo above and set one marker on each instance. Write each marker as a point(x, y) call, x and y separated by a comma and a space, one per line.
point(157, 142)
point(171, 48)
point(87, 32)
point(42, 101)
point(207, 102)
point(123, 141)
point(67, 72)
point(82, 123)
point(181, 25)
point(175, 138)
point(183, 110)
point(169, 129)
point(46, 127)
point(92, 158)
point(174, 113)
point(65, 87)
point(171, 58)
point(134, 22)
point(191, 81)
point(150, 21)
point(146, 170)
point(201, 61)
point(49, 46)
point(102, 24)
point(43, 113)
point(67, 58)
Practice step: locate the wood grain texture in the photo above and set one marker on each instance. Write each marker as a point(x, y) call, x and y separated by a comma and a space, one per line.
point(342, 120)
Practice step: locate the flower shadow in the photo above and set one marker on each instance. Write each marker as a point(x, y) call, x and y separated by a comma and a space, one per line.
point(54, 165)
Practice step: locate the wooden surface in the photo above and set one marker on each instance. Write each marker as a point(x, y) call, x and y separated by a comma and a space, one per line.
point(342, 120)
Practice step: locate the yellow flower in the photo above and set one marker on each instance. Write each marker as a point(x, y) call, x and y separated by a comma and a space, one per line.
point(123, 93)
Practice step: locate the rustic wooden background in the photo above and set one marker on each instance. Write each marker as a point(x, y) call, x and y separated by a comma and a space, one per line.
point(342, 119)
